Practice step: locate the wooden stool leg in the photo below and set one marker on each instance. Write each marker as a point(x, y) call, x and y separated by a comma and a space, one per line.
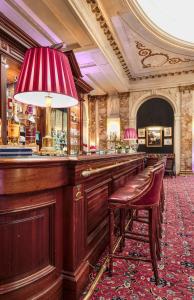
point(158, 232)
point(111, 236)
point(160, 219)
point(152, 242)
point(122, 228)
point(130, 212)
point(162, 197)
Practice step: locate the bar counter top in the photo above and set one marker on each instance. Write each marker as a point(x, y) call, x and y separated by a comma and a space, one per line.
point(81, 158)
point(54, 221)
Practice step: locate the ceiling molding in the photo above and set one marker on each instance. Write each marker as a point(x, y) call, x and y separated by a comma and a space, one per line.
point(186, 88)
point(160, 75)
point(95, 8)
point(23, 40)
point(92, 23)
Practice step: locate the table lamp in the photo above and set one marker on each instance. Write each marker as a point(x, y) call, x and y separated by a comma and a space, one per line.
point(130, 135)
point(46, 80)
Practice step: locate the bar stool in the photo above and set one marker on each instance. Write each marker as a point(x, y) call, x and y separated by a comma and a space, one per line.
point(147, 199)
point(139, 218)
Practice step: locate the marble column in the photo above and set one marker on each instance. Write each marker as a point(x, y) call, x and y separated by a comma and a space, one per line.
point(193, 131)
point(124, 112)
point(132, 123)
point(186, 131)
point(177, 142)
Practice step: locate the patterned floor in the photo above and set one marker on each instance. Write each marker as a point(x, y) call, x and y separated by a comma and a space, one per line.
point(134, 280)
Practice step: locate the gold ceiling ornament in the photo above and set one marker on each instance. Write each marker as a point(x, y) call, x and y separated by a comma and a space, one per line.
point(103, 24)
point(154, 59)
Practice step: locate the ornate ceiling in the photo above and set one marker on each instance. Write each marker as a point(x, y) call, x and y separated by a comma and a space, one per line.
point(118, 49)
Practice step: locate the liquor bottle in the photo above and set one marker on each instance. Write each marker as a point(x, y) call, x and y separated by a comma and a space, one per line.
point(0, 134)
point(30, 127)
point(14, 127)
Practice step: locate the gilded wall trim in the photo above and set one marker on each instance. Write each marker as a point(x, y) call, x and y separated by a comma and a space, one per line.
point(97, 97)
point(185, 88)
point(124, 95)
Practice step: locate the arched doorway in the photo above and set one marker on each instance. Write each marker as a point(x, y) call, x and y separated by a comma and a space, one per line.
point(174, 100)
point(156, 116)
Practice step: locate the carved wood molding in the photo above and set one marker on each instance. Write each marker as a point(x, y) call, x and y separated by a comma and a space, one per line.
point(7, 49)
point(13, 40)
point(25, 41)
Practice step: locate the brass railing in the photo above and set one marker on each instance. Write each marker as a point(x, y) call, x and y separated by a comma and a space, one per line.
point(89, 172)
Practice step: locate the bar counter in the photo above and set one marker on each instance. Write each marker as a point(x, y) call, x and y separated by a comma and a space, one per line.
point(53, 221)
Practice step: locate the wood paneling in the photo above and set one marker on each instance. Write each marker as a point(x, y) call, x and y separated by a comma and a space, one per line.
point(54, 222)
point(97, 205)
point(32, 178)
point(25, 241)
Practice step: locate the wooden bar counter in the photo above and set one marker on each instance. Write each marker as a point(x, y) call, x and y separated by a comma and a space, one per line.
point(53, 221)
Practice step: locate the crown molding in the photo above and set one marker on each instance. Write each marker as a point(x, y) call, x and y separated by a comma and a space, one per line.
point(92, 18)
point(185, 88)
point(96, 9)
point(15, 35)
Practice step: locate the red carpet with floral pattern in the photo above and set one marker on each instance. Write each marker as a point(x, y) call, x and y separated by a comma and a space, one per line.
point(134, 280)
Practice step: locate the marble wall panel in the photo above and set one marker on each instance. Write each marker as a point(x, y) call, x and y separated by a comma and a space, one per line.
point(124, 112)
point(186, 132)
point(102, 122)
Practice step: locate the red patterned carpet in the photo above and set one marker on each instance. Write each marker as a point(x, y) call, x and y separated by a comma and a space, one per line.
point(134, 280)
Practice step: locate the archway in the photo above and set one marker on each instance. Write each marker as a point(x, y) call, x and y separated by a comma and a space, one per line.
point(174, 101)
point(156, 113)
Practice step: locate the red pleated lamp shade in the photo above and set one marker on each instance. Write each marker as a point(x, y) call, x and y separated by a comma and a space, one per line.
point(130, 134)
point(46, 72)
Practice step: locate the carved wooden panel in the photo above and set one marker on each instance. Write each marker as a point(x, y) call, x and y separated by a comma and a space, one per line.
point(26, 243)
point(74, 227)
point(97, 206)
point(96, 199)
point(30, 247)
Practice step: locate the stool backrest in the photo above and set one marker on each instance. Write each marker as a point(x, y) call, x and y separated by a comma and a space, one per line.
point(152, 195)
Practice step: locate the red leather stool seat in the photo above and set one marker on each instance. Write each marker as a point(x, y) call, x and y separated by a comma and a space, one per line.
point(142, 193)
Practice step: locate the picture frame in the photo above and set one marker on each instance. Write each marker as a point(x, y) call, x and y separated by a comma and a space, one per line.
point(141, 141)
point(141, 132)
point(154, 137)
point(168, 142)
point(167, 131)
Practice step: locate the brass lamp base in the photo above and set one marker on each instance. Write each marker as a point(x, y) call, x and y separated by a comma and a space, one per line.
point(47, 145)
point(47, 142)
